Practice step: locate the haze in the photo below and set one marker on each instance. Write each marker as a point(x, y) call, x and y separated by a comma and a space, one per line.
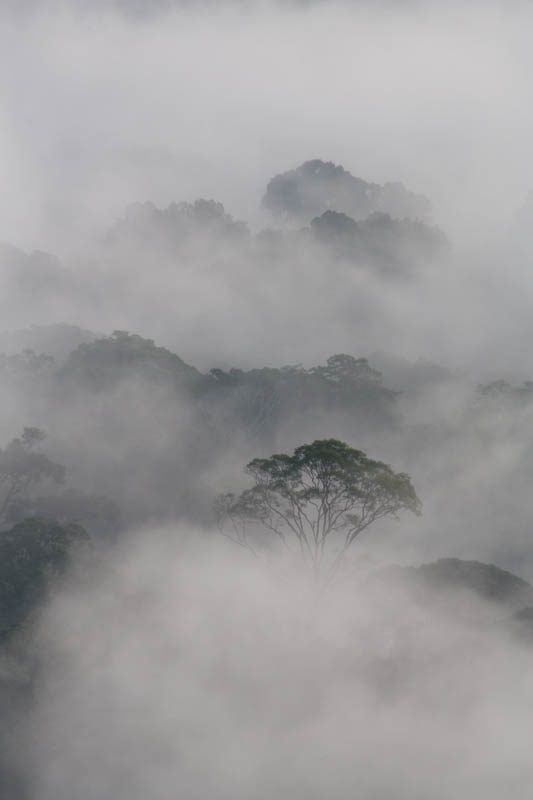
point(228, 229)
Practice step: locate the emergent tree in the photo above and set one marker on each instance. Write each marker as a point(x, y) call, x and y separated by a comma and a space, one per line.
point(316, 501)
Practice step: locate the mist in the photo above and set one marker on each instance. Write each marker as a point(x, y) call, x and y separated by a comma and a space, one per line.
point(198, 671)
point(227, 230)
point(103, 108)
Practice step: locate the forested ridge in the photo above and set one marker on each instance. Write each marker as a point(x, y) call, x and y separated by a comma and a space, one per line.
point(137, 435)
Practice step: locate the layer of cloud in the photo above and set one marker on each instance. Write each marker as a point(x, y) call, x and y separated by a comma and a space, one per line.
point(194, 671)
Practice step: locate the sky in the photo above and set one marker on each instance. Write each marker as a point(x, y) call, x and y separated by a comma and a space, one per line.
point(103, 105)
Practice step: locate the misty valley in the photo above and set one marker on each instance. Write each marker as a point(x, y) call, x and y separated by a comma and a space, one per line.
point(266, 443)
point(116, 446)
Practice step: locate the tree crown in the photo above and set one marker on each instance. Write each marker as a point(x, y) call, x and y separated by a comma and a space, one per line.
point(322, 489)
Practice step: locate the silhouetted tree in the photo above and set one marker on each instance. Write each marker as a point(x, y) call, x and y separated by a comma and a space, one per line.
point(325, 493)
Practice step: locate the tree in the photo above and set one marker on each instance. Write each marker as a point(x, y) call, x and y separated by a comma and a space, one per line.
point(33, 555)
point(323, 495)
point(316, 187)
point(21, 467)
point(179, 227)
point(103, 363)
point(344, 368)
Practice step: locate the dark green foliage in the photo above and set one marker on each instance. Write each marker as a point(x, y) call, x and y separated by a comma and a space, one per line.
point(344, 369)
point(99, 514)
point(486, 580)
point(136, 379)
point(261, 398)
point(22, 467)
point(332, 225)
point(389, 235)
point(317, 186)
point(390, 245)
point(101, 364)
point(322, 490)
point(33, 554)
